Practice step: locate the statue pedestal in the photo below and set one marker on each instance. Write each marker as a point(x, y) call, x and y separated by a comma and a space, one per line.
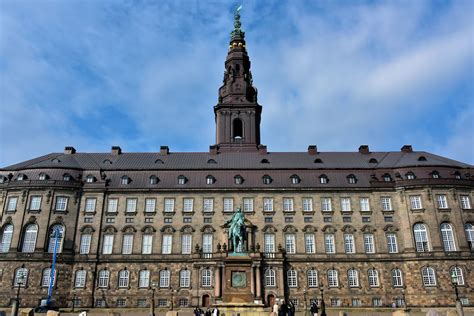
point(242, 309)
point(238, 279)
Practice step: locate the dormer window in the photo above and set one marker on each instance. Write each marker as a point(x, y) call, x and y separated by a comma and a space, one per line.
point(90, 179)
point(373, 160)
point(3, 179)
point(422, 158)
point(210, 179)
point(153, 180)
point(125, 180)
point(182, 179)
point(67, 177)
point(457, 175)
point(387, 177)
point(55, 160)
point(264, 161)
point(43, 176)
point(211, 161)
point(238, 179)
point(323, 179)
point(410, 176)
point(295, 179)
point(351, 179)
point(267, 179)
point(159, 161)
point(107, 162)
point(435, 174)
point(21, 177)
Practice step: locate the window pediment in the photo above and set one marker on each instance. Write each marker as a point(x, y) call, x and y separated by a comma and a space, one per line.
point(348, 229)
point(310, 229)
point(368, 229)
point(269, 229)
point(290, 229)
point(109, 229)
point(167, 229)
point(329, 229)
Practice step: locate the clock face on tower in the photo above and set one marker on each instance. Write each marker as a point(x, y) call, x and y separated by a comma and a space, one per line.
point(239, 279)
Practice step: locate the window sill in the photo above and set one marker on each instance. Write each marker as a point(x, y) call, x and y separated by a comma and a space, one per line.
point(10, 211)
point(208, 213)
point(34, 211)
point(60, 212)
point(89, 213)
point(130, 213)
point(285, 213)
point(418, 210)
point(327, 213)
point(187, 213)
point(168, 213)
point(149, 213)
point(111, 213)
point(348, 212)
point(444, 209)
point(308, 213)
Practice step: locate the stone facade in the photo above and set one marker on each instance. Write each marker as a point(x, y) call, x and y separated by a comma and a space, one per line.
point(329, 213)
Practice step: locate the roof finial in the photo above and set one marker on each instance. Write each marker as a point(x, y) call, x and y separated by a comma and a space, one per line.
point(237, 33)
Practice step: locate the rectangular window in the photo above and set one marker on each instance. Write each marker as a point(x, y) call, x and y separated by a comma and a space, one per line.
point(169, 205)
point(112, 206)
point(61, 203)
point(442, 201)
point(308, 219)
point(167, 244)
point(148, 220)
point(290, 243)
point(288, 205)
point(150, 205)
point(415, 202)
point(80, 280)
point(207, 243)
point(309, 243)
point(465, 202)
point(147, 244)
point(307, 204)
point(326, 205)
point(268, 204)
point(186, 244)
point(108, 245)
point(269, 243)
point(345, 204)
point(386, 203)
point(131, 205)
point(12, 201)
point(268, 219)
point(289, 219)
point(228, 205)
point(85, 245)
point(369, 245)
point(184, 278)
point(392, 245)
point(90, 204)
point(349, 245)
point(364, 204)
point(208, 205)
point(188, 205)
point(248, 204)
point(347, 219)
point(35, 203)
point(329, 244)
point(127, 244)
point(144, 279)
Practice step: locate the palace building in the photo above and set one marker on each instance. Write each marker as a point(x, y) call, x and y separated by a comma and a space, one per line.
point(368, 228)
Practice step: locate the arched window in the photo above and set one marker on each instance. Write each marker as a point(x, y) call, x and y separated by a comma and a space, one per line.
point(266, 179)
point(85, 244)
point(270, 277)
point(373, 160)
point(323, 179)
point(46, 277)
point(125, 180)
point(333, 280)
point(457, 175)
point(153, 180)
point(469, 229)
point(124, 277)
point(435, 174)
point(397, 278)
point(90, 179)
point(67, 177)
point(373, 278)
point(387, 178)
point(165, 278)
point(210, 179)
point(20, 177)
point(295, 179)
point(206, 277)
point(238, 179)
point(182, 179)
point(80, 278)
point(104, 278)
point(318, 160)
point(184, 278)
point(312, 278)
point(353, 277)
point(447, 236)
point(238, 129)
point(144, 278)
point(56, 234)
point(6, 238)
point(456, 275)
point(43, 176)
point(21, 277)
point(351, 179)
point(422, 158)
point(292, 276)
point(29, 240)
point(410, 176)
point(429, 277)
point(421, 237)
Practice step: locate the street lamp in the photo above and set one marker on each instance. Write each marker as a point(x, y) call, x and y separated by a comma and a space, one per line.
point(172, 301)
point(73, 299)
point(323, 305)
point(455, 283)
point(20, 280)
point(404, 299)
point(153, 287)
point(305, 304)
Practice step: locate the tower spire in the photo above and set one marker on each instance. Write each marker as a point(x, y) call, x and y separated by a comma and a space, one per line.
point(237, 112)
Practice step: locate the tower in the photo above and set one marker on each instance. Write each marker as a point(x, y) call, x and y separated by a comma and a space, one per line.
point(237, 113)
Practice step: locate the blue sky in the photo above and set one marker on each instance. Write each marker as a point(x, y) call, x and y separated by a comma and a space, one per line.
point(140, 74)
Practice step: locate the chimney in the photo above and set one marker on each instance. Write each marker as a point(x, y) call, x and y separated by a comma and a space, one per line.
point(164, 150)
point(213, 149)
point(312, 150)
point(116, 150)
point(262, 149)
point(69, 150)
point(364, 149)
point(407, 149)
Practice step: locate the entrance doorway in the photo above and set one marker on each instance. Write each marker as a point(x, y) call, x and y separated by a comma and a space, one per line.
point(206, 300)
point(271, 300)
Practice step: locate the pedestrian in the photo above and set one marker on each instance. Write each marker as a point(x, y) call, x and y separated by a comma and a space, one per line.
point(215, 312)
point(314, 309)
point(291, 309)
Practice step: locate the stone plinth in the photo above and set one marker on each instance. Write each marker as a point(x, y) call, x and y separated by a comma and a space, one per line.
point(243, 309)
point(238, 280)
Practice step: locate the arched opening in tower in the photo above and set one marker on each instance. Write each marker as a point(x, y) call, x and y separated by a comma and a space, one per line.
point(237, 128)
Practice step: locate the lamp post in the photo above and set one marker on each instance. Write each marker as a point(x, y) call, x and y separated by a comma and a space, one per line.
point(323, 305)
point(305, 303)
point(455, 283)
point(20, 281)
point(172, 305)
point(153, 286)
point(73, 300)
